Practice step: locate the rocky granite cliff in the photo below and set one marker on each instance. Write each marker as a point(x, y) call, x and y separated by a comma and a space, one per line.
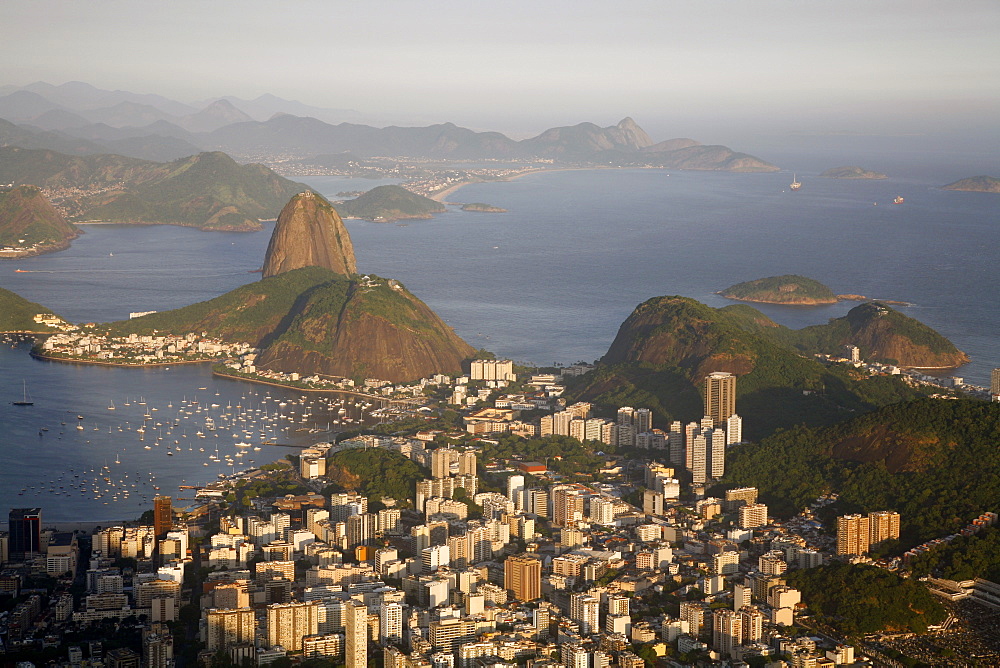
point(30, 225)
point(309, 233)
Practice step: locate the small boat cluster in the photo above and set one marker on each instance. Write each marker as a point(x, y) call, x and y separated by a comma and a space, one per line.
point(226, 438)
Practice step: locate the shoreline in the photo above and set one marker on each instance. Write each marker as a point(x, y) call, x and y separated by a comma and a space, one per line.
point(302, 389)
point(441, 194)
point(47, 358)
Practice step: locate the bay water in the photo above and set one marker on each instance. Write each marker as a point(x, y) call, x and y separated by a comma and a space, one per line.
point(548, 281)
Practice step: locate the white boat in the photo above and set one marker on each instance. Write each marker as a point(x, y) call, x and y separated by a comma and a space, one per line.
point(795, 185)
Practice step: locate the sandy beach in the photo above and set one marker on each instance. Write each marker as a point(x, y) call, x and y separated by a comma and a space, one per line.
point(440, 196)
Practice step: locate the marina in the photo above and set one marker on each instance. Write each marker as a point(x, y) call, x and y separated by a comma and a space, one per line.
point(109, 451)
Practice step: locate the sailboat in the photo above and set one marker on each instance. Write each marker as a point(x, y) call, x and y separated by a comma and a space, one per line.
point(795, 185)
point(25, 401)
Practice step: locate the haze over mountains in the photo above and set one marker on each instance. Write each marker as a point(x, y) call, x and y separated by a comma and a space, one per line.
point(80, 119)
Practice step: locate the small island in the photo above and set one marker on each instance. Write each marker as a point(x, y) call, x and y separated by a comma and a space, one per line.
point(482, 208)
point(976, 184)
point(852, 172)
point(788, 289)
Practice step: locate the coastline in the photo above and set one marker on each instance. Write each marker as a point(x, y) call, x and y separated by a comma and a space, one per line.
point(440, 195)
point(48, 358)
point(302, 389)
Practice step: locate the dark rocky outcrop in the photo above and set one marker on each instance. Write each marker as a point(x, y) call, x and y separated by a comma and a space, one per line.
point(309, 233)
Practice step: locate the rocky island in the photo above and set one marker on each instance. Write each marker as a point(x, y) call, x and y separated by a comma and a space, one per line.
point(976, 184)
point(852, 172)
point(788, 289)
point(30, 225)
point(482, 208)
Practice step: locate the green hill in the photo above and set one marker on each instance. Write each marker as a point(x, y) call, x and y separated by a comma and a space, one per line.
point(858, 599)
point(388, 203)
point(374, 473)
point(852, 172)
point(977, 184)
point(365, 329)
point(667, 346)
point(312, 320)
point(787, 289)
point(30, 225)
point(933, 461)
point(17, 314)
point(883, 334)
point(251, 313)
point(209, 190)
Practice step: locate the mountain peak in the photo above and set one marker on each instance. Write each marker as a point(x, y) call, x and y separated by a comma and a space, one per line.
point(309, 232)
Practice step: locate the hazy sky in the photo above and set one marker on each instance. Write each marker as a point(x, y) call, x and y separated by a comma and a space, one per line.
point(518, 66)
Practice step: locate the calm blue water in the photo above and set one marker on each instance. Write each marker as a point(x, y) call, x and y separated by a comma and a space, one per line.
point(549, 281)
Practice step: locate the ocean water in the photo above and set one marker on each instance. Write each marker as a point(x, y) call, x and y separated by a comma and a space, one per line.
point(548, 281)
point(554, 277)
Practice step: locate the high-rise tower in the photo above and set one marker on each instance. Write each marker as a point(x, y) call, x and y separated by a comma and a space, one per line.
point(163, 515)
point(25, 527)
point(720, 396)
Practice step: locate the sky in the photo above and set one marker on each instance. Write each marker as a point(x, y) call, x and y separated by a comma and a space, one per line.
point(806, 66)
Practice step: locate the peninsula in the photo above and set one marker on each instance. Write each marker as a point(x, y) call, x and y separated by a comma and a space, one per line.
point(30, 225)
point(385, 204)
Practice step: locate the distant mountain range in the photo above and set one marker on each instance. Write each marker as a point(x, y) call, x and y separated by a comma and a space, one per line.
point(80, 119)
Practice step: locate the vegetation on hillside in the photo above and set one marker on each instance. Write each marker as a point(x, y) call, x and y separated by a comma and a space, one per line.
point(872, 327)
point(787, 289)
point(208, 190)
point(562, 454)
point(861, 599)
point(669, 344)
point(935, 462)
point(388, 203)
point(17, 314)
point(374, 473)
point(251, 313)
point(28, 219)
point(964, 558)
